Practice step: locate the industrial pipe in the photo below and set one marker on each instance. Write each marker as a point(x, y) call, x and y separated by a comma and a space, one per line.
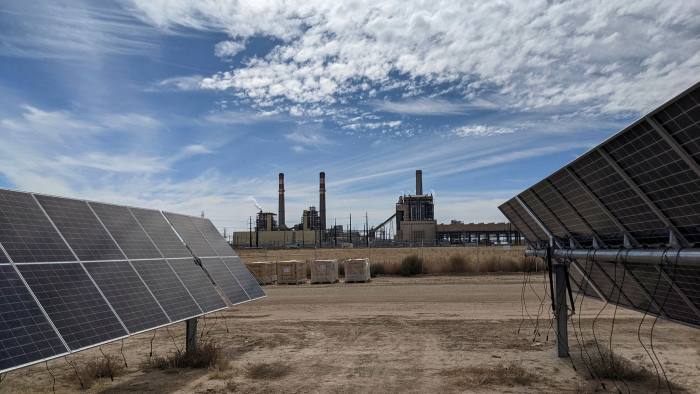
point(688, 257)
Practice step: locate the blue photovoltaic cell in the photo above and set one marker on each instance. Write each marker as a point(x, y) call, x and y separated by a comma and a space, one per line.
point(123, 227)
point(127, 294)
point(193, 238)
point(3, 258)
point(159, 230)
point(81, 229)
point(224, 279)
point(26, 233)
point(26, 335)
point(73, 303)
point(245, 278)
point(198, 284)
point(213, 237)
point(167, 288)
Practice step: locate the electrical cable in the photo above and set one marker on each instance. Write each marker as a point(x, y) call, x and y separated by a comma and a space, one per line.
point(109, 364)
point(121, 350)
point(53, 377)
point(77, 374)
point(150, 354)
point(651, 333)
point(646, 311)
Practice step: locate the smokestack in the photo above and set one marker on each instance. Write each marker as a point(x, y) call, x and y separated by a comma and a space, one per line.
point(322, 200)
point(419, 182)
point(280, 213)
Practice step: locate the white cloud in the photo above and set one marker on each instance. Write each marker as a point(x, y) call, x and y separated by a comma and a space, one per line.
point(241, 117)
point(607, 57)
point(69, 29)
point(228, 49)
point(308, 138)
point(480, 130)
point(184, 83)
point(425, 106)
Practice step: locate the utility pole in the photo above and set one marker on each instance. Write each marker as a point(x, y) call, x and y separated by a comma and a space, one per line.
point(250, 231)
point(366, 229)
point(335, 232)
point(350, 228)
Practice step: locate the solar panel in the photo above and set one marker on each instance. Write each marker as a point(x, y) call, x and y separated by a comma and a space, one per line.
point(73, 303)
point(638, 189)
point(224, 279)
point(126, 231)
point(213, 237)
point(127, 294)
point(189, 233)
point(245, 278)
point(80, 228)
point(167, 288)
point(26, 335)
point(26, 233)
point(3, 258)
point(160, 233)
point(198, 284)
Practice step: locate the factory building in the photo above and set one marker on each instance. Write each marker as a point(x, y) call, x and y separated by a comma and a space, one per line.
point(457, 232)
point(415, 216)
point(310, 219)
point(265, 221)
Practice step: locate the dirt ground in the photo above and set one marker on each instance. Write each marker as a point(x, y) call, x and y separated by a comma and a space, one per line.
point(423, 334)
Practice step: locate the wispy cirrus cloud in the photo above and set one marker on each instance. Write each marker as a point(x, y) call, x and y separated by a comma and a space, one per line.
point(430, 106)
point(482, 130)
point(68, 30)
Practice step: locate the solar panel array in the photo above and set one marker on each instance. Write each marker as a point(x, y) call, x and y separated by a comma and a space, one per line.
point(77, 274)
point(638, 189)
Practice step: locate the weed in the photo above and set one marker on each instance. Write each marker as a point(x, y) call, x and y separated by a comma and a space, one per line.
point(205, 355)
point(411, 265)
point(376, 269)
point(274, 370)
point(509, 374)
point(99, 368)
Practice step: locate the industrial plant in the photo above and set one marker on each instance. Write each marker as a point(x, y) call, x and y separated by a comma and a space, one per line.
point(412, 223)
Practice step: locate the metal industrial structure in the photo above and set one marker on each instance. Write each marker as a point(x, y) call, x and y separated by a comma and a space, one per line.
point(412, 223)
point(623, 220)
point(457, 232)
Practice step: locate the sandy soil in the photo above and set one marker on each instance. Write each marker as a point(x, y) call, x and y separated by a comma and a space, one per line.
point(421, 334)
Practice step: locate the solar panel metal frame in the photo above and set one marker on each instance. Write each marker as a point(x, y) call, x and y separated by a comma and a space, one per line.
point(638, 188)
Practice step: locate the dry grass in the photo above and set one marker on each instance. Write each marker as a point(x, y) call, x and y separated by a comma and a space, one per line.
point(436, 260)
point(86, 374)
point(504, 374)
point(206, 355)
point(607, 365)
point(267, 371)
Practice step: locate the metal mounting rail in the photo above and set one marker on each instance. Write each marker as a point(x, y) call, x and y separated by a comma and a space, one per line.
point(688, 257)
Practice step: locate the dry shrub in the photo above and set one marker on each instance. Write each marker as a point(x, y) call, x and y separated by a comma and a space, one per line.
point(376, 269)
point(220, 370)
point(505, 374)
point(411, 265)
point(99, 368)
point(274, 370)
point(205, 355)
point(608, 365)
point(459, 263)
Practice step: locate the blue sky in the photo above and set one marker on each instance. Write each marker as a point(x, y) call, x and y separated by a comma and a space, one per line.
point(196, 106)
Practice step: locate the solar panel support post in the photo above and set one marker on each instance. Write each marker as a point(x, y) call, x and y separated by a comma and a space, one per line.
point(191, 335)
point(561, 309)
